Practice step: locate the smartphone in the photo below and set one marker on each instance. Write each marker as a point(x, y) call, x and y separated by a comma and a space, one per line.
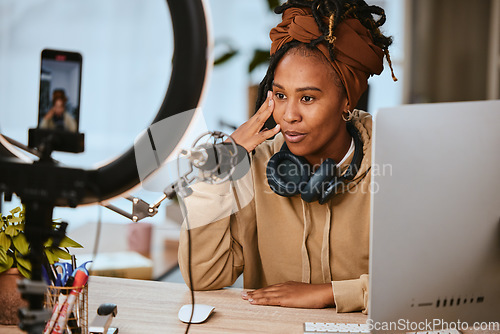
point(59, 101)
point(60, 82)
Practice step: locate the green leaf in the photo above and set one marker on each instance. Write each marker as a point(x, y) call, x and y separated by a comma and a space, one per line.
point(225, 57)
point(4, 241)
point(5, 260)
point(50, 256)
point(48, 243)
point(23, 261)
point(14, 220)
point(21, 244)
point(11, 230)
point(273, 4)
point(25, 272)
point(68, 242)
point(61, 254)
point(3, 256)
point(16, 210)
point(224, 47)
point(55, 254)
point(10, 262)
point(259, 57)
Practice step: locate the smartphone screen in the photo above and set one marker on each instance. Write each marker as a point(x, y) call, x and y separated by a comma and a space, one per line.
point(60, 81)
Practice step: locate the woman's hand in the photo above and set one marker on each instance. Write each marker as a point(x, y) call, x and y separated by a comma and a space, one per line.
point(292, 294)
point(49, 114)
point(248, 134)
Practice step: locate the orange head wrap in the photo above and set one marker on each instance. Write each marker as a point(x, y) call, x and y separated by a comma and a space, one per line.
point(356, 55)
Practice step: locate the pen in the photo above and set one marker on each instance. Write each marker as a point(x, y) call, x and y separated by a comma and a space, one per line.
point(80, 279)
point(53, 270)
point(57, 307)
point(73, 261)
point(55, 313)
point(82, 267)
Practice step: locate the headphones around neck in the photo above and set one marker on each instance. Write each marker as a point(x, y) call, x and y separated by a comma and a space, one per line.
point(289, 174)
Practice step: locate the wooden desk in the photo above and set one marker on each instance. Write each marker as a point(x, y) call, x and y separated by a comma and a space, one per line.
point(152, 307)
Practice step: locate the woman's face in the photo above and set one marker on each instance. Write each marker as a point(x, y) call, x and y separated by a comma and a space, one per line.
point(308, 105)
point(58, 107)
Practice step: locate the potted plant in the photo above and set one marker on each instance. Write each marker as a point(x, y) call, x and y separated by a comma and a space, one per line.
point(14, 249)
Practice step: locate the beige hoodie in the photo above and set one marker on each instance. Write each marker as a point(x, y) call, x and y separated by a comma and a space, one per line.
point(244, 227)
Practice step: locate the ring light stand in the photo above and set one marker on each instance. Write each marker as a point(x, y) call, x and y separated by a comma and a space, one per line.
point(44, 184)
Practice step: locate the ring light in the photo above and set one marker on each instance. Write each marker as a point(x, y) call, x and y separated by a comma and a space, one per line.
point(190, 65)
point(44, 184)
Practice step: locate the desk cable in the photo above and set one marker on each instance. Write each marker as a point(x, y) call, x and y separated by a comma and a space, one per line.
point(190, 277)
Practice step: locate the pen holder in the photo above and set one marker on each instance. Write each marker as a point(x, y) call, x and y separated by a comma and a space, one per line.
point(78, 318)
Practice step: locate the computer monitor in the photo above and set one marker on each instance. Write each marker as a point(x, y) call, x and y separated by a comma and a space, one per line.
point(435, 217)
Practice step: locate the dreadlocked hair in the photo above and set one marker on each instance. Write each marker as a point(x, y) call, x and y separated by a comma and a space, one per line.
point(336, 11)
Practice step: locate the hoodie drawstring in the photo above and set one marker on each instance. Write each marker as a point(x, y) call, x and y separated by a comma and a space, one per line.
point(306, 264)
point(325, 246)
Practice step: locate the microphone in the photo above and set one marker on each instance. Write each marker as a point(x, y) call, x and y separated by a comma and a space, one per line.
point(219, 161)
point(216, 162)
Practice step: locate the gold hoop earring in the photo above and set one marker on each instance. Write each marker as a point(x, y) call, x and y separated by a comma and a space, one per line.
point(349, 115)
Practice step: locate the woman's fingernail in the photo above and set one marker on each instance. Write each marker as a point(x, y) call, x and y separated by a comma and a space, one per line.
point(244, 294)
point(250, 300)
point(269, 93)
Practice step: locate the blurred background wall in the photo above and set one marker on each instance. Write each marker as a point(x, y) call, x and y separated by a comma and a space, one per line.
point(452, 42)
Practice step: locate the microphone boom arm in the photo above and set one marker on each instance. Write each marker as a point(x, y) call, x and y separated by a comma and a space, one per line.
point(199, 158)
